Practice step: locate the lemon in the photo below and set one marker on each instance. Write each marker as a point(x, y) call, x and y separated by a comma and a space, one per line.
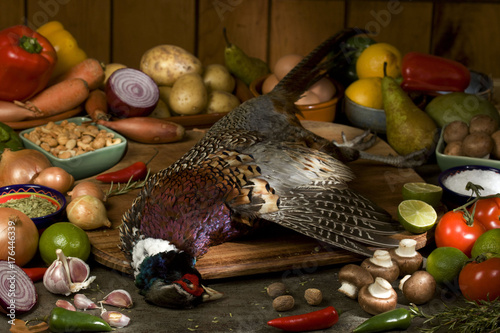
point(425, 192)
point(371, 61)
point(366, 92)
point(71, 239)
point(416, 216)
point(489, 242)
point(445, 263)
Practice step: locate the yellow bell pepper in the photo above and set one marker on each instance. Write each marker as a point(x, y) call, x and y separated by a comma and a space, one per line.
point(66, 46)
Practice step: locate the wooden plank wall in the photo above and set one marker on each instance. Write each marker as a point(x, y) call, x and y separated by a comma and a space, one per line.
point(122, 30)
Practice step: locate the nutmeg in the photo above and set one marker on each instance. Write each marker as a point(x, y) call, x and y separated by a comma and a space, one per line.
point(283, 303)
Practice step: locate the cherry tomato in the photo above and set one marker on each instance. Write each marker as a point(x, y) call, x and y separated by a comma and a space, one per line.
point(480, 281)
point(452, 230)
point(487, 212)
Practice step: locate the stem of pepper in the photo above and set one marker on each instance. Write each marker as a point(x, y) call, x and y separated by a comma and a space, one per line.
point(30, 44)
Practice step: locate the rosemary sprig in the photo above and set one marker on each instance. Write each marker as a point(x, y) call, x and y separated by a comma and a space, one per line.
point(118, 189)
point(483, 316)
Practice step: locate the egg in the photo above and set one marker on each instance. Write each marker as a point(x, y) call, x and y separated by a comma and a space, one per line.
point(324, 89)
point(308, 98)
point(269, 83)
point(285, 64)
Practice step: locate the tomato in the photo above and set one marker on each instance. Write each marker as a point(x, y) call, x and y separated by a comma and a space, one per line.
point(487, 212)
point(480, 280)
point(452, 230)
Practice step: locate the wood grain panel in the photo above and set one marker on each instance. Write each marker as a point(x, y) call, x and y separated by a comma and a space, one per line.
point(87, 20)
point(141, 25)
point(406, 25)
point(245, 22)
point(11, 13)
point(469, 33)
point(298, 26)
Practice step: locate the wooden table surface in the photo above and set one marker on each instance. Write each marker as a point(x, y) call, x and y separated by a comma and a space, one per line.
point(265, 252)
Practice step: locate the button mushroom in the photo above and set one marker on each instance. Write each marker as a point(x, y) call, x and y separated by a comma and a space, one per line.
point(378, 297)
point(418, 288)
point(352, 278)
point(407, 259)
point(382, 265)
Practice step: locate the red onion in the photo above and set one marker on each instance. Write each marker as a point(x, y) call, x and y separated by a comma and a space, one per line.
point(17, 291)
point(131, 93)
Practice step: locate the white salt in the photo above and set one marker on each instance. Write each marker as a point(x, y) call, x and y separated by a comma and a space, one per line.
point(488, 180)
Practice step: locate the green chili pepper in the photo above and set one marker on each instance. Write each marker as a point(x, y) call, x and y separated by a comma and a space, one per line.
point(62, 320)
point(395, 319)
point(9, 138)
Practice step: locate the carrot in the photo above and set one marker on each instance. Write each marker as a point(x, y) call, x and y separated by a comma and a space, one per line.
point(90, 70)
point(10, 111)
point(63, 96)
point(146, 129)
point(20, 125)
point(96, 105)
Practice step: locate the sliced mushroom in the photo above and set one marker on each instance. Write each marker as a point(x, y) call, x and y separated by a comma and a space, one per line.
point(418, 288)
point(352, 278)
point(406, 257)
point(382, 265)
point(378, 297)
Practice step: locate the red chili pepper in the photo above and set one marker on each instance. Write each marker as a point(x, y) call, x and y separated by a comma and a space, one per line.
point(430, 73)
point(27, 60)
point(35, 273)
point(136, 171)
point(311, 321)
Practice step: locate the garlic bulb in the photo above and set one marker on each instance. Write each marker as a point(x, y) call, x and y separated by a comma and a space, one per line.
point(67, 275)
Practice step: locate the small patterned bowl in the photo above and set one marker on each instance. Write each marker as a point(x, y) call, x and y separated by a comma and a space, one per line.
point(22, 191)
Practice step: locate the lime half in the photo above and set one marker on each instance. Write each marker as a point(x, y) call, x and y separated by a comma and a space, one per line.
point(428, 193)
point(416, 216)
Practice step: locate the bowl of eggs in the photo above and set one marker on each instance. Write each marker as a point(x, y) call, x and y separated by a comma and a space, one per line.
point(318, 103)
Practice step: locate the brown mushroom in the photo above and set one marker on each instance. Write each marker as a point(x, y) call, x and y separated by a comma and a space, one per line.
point(418, 288)
point(382, 265)
point(378, 297)
point(406, 257)
point(352, 278)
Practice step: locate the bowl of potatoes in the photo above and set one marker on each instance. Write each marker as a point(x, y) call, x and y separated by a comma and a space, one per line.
point(475, 143)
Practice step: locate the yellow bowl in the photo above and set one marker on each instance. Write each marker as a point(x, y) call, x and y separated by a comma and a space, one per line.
point(320, 112)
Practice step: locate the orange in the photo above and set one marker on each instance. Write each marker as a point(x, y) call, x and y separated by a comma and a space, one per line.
point(366, 92)
point(71, 239)
point(371, 61)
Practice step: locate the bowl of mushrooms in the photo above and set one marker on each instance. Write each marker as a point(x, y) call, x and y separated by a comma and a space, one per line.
point(77, 145)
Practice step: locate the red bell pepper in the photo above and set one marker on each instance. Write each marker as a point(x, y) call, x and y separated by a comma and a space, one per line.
point(27, 60)
point(430, 73)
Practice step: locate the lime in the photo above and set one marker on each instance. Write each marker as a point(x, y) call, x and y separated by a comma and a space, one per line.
point(489, 242)
point(445, 263)
point(416, 216)
point(71, 239)
point(429, 193)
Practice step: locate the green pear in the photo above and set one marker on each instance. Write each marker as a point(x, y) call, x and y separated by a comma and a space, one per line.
point(408, 128)
point(241, 65)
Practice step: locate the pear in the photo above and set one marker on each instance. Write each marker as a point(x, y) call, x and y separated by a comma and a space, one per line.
point(408, 128)
point(241, 65)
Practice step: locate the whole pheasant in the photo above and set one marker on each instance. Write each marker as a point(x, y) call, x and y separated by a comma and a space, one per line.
point(256, 164)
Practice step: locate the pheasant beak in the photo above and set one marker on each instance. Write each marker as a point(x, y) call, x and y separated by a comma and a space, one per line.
point(211, 294)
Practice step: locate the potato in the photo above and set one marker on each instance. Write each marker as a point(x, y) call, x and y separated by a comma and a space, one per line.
point(495, 152)
point(483, 123)
point(217, 77)
point(477, 145)
point(161, 110)
point(455, 131)
point(165, 93)
point(188, 95)
point(221, 102)
point(108, 70)
point(166, 63)
point(453, 148)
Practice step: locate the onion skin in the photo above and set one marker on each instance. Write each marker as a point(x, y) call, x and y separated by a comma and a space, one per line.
point(87, 212)
point(21, 166)
point(18, 236)
point(87, 187)
point(56, 178)
point(146, 129)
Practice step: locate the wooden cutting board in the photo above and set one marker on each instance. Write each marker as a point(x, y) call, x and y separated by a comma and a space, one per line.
point(275, 249)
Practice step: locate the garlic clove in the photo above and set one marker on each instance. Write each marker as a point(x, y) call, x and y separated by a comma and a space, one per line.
point(82, 302)
point(115, 319)
point(78, 269)
point(61, 303)
point(119, 298)
point(56, 280)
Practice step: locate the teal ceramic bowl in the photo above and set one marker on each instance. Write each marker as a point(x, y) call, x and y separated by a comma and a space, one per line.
point(365, 117)
point(446, 162)
point(90, 163)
